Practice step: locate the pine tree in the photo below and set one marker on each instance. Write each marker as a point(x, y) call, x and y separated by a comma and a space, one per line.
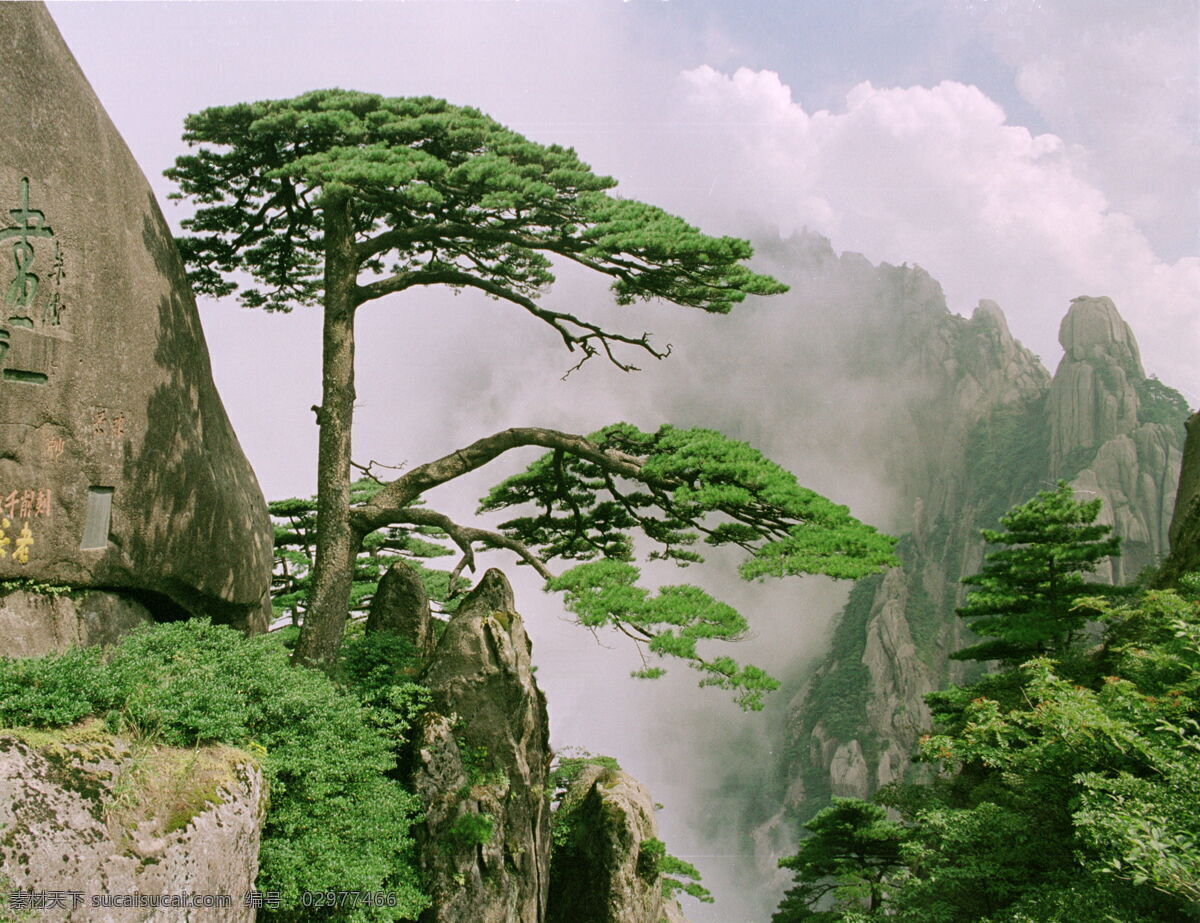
point(843, 865)
point(1023, 598)
point(337, 199)
point(295, 521)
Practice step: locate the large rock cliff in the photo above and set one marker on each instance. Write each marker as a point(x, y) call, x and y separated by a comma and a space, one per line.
point(1185, 522)
point(980, 426)
point(481, 766)
point(118, 467)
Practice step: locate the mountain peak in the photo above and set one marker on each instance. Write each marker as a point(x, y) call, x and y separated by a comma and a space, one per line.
point(1094, 329)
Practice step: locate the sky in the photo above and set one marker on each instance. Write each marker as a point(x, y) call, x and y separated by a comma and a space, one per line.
point(1025, 151)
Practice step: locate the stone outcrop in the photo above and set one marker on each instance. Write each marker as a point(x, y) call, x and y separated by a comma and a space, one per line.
point(606, 867)
point(974, 424)
point(118, 465)
point(480, 765)
point(83, 814)
point(1101, 438)
point(401, 606)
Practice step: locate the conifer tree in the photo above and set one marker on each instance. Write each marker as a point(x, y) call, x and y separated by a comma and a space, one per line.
point(842, 867)
point(295, 522)
point(1023, 598)
point(336, 198)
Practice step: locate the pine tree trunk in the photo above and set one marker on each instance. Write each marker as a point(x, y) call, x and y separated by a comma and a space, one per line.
point(336, 543)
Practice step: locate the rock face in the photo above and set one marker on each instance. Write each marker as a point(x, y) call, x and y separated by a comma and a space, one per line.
point(1103, 438)
point(118, 466)
point(83, 815)
point(1093, 399)
point(36, 624)
point(1185, 522)
point(975, 425)
point(481, 765)
point(606, 869)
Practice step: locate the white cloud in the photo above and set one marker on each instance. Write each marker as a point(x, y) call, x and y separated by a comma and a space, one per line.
point(936, 176)
point(1121, 80)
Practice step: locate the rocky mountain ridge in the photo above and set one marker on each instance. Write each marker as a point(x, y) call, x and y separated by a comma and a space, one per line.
point(976, 424)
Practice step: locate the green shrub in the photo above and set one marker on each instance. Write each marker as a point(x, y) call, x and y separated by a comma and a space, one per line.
point(54, 691)
point(655, 862)
point(1158, 403)
point(336, 821)
point(472, 829)
point(369, 661)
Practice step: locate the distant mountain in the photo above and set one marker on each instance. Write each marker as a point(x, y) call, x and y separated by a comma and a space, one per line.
point(965, 422)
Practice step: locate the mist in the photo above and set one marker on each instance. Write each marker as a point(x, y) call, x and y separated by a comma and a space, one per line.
point(930, 133)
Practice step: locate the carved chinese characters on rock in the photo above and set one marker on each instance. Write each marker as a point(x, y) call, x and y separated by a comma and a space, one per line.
point(54, 447)
point(107, 427)
point(31, 277)
point(20, 509)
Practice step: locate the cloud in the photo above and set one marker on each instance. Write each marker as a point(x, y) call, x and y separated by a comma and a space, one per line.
point(1120, 81)
point(937, 176)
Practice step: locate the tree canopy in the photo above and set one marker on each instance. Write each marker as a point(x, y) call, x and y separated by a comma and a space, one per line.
point(601, 499)
point(339, 198)
point(295, 522)
point(851, 850)
point(430, 194)
point(1062, 792)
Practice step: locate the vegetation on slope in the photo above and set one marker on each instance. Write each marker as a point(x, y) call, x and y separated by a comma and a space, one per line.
point(1063, 789)
point(338, 820)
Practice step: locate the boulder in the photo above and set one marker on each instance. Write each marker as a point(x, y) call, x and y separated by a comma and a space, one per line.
point(480, 765)
point(118, 465)
point(88, 821)
point(401, 606)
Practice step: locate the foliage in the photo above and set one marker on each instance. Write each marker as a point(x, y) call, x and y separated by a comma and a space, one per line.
point(563, 773)
point(654, 862)
point(690, 483)
point(379, 669)
point(472, 829)
point(685, 476)
point(340, 198)
point(1158, 403)
point(1007, 455)
point(336, 819)
point(295, 522)
point(851, 850)
point(1061, 796)
point(54, 691)
point(37, 587)
point(374, 660)
point(566, 769)
point(1023, 596)
point(1065, 789)
point(440, 194)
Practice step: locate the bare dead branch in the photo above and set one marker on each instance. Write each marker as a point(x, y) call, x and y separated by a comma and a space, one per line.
point(575, 332)
point(369, 468)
